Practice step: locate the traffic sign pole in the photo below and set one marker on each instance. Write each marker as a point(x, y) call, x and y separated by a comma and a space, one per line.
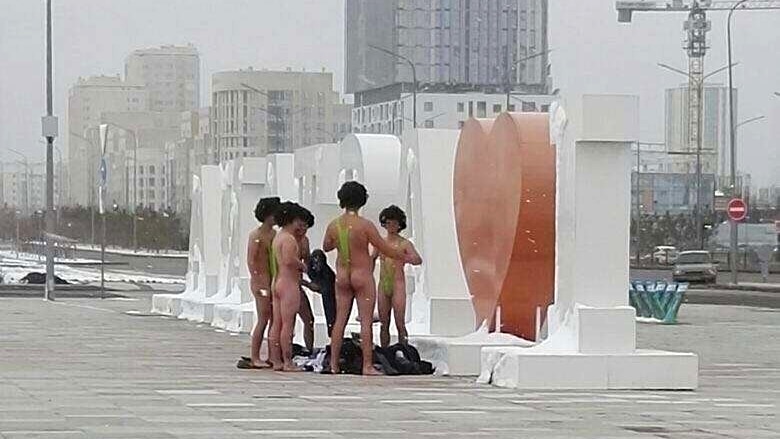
point(736, 211)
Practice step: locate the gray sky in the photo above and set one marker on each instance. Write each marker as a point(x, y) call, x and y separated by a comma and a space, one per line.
point(94, 36)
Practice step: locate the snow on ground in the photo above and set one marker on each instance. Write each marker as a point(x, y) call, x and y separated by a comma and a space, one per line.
point(13, 269)
point(32, 257)
point(131, 252)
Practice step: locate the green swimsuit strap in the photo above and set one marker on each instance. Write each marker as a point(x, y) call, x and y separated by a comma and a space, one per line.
point(343, 244)
point(387, 277)
point(273, 264)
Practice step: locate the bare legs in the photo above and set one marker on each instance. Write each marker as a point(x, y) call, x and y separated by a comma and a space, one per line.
point(344, 298)
point(397, 306)
point(366, 298)
point(264, 314)
point(307, 316)
point(286, 303)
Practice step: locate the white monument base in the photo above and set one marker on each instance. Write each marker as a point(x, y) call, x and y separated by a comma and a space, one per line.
point(460, 356)
point(167, 304)
point(595, 348)
point(198, 309)
point(234, 318)
point(519, 368)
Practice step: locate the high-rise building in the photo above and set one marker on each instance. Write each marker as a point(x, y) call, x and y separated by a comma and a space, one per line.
point(23, 185)
point(185, 156)
point(137, 177)
point(171, 75)
point(446, 109)
point(256, 112)
point(88, 99)
point(474, 42)
point(716, 156)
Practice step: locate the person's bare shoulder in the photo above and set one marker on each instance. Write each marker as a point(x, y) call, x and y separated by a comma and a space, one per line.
point(255, 234)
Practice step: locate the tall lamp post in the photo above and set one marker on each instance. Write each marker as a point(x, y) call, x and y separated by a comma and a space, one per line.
point(135, 180)
point(734, 237)
point(414, 77)
point(514, 67)
point(699, 83)
point(49, 128)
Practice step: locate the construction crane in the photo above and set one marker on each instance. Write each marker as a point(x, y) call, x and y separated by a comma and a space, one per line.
point(696, 28)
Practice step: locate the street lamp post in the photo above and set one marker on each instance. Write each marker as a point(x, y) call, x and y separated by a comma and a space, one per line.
point(733, 238)
point(514, 67)
point(414, 77)
point(699, 83)
point(134, 208)
point(49, 125)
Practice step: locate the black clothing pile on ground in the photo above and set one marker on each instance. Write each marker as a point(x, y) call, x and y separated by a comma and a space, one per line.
point(398, 359)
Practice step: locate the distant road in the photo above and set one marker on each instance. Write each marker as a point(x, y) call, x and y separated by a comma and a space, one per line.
point(146, 264)
point(724, 277)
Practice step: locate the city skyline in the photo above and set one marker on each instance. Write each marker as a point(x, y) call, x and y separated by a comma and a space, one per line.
point(657, 37)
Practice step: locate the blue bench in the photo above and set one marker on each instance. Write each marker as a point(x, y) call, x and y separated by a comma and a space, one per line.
point(657, 299)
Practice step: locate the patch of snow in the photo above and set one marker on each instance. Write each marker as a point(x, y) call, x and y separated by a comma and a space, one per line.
point(14, 269)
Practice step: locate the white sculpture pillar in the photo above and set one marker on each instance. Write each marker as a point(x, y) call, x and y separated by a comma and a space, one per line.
point(602, 197)
point(592, 343)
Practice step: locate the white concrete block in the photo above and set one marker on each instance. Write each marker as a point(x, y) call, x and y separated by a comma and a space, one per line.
point(649, 369)
point(642, 370)
point(460, 356)
point(197, 310)
point(234, 318)
point(606, 330)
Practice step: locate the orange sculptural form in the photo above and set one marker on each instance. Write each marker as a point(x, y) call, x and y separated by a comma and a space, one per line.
point(504, 186)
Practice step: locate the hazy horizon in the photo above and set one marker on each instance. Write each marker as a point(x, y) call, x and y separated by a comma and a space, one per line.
point(95, 37)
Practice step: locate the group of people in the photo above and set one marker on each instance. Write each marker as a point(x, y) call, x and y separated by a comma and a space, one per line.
point(278, 255)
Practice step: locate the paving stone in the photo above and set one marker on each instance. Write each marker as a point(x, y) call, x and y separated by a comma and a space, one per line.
point(119, 376)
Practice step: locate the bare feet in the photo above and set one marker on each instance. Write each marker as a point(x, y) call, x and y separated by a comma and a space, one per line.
point(292, 368)
point(261, 365)
point(278, 367)
point(371, 372)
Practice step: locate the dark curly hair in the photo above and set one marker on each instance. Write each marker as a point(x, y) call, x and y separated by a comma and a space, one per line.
point(266, 207)
point(289, 212)
point(309, 217)
point(391, 213)
point(352, 195)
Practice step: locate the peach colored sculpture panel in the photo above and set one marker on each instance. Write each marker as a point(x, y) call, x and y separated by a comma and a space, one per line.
point(474, 178)
point(504, 186)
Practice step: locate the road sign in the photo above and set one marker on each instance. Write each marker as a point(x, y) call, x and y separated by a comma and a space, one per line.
point(737, 209)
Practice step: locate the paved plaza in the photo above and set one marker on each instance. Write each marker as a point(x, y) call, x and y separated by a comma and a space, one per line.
point(81, 368)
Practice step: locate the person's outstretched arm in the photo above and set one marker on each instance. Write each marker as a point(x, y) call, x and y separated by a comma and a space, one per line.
point(375, 239)
point(329, 241)
point(412, 256)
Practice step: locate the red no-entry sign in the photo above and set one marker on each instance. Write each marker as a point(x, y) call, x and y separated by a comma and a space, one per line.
point(737, 209)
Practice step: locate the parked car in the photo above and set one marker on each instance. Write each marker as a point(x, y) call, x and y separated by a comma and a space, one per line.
point(665, 254)
point(695, 266)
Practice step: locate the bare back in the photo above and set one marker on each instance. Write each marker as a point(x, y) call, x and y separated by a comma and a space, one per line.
point(351, 235)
